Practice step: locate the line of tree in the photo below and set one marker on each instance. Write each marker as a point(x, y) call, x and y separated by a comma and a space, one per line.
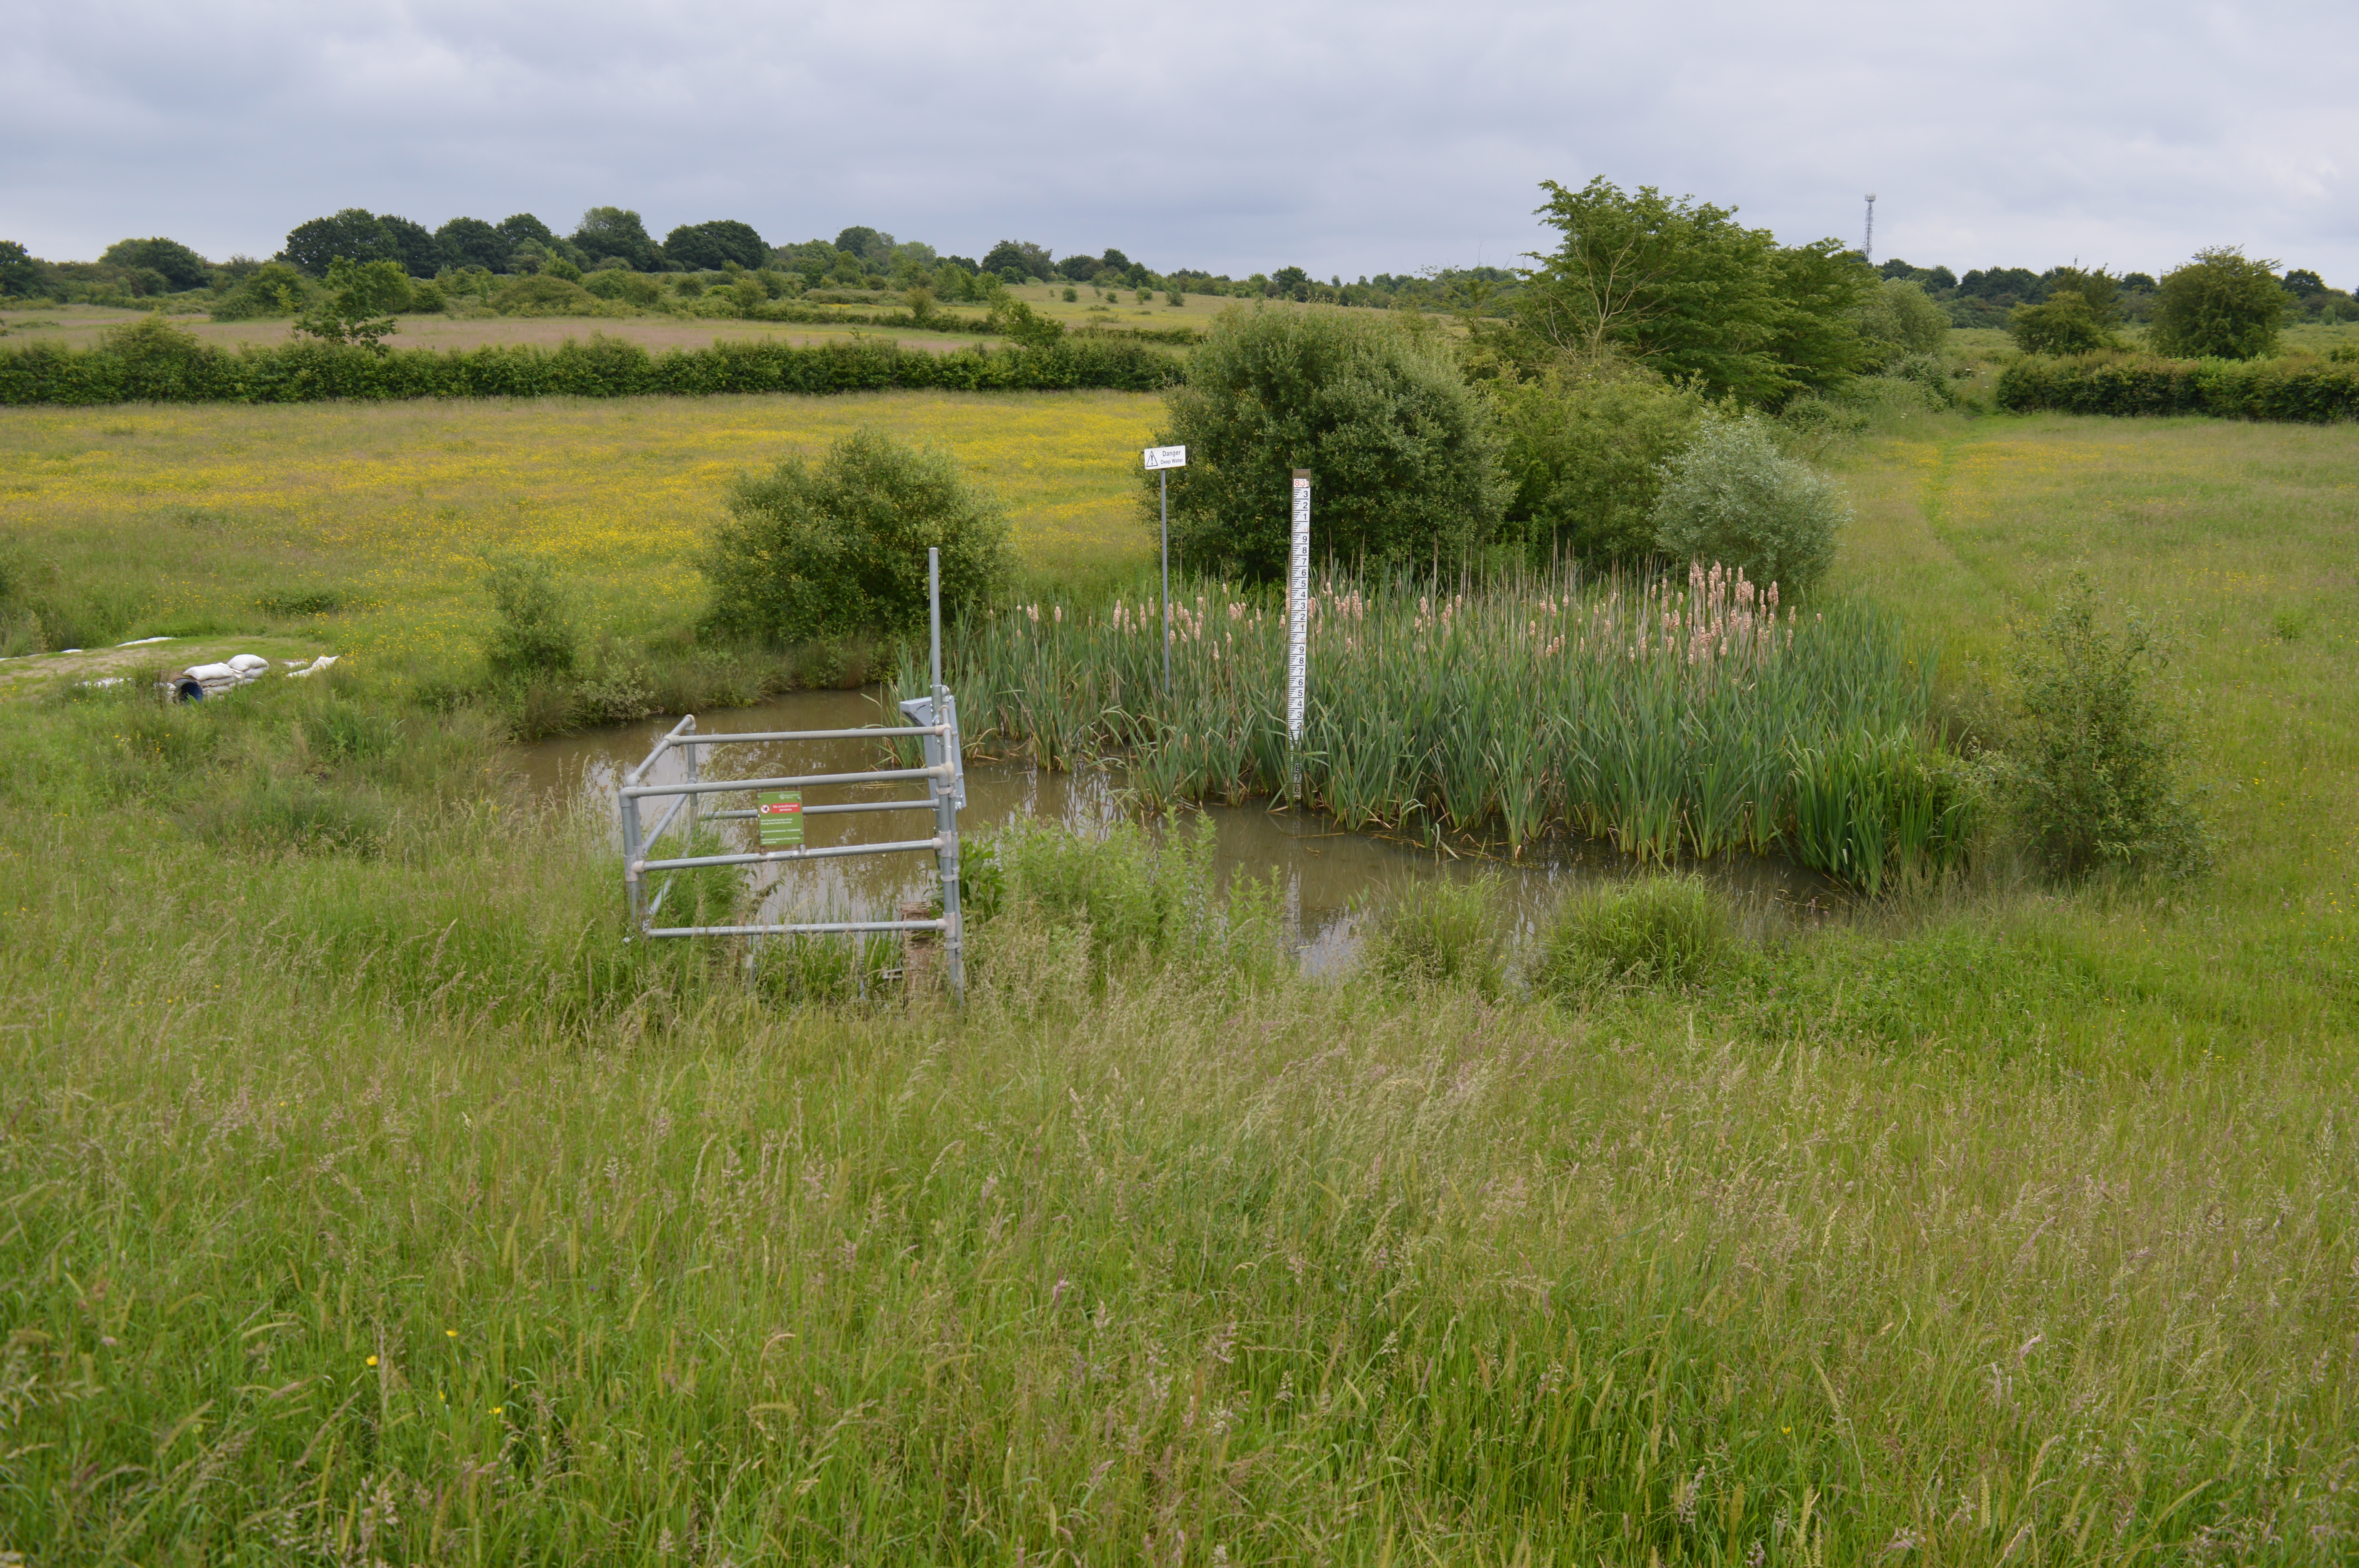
point(859, 258)
point(465, 253)
point(1989, 296)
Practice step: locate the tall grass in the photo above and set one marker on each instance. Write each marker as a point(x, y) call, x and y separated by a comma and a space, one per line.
point(447, 1255)
point(368, 1197)
point(1670, 719)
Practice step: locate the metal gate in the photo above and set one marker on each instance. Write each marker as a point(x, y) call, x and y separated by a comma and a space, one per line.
point(934, 724)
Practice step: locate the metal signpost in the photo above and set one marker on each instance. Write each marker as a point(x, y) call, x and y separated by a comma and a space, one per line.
point(1161, 462)
point(1298, 620)
point(780, 815)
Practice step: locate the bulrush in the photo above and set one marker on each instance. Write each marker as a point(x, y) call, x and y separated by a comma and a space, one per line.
point(1668, 716)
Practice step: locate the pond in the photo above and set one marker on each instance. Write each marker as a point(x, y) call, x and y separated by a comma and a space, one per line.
point(1323, 872)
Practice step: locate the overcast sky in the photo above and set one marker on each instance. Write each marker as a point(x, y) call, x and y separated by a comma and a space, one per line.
point(1235, 137)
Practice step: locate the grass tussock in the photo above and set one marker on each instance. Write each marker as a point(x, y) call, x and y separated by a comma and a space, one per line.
point(1439, 933)
point(1666, 930)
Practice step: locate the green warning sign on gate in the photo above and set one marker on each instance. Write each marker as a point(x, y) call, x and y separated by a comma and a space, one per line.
point(780, 813)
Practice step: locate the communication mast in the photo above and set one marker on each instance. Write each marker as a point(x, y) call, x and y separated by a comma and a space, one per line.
point(1868, 249)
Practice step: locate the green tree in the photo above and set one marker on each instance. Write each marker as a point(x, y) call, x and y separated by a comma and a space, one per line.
point(353, 234)
point(519, 227)
point(1403, 456)
point(1023, 255)
point(413, 245)
point(2095, 287)
point(21, 275)
point(873, 248)
point(705, 247)
point(2222, 305)
point(616, 231)
point(181, 266)
point(469, 242)
point(1585, 452)
point(2077, 312)
point(1686, 290)
point(358, 304)
point(840, 548)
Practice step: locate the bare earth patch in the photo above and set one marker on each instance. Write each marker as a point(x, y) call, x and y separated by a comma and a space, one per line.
point(23, 677)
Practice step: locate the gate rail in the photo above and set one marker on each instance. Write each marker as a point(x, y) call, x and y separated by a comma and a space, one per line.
point(943, 775)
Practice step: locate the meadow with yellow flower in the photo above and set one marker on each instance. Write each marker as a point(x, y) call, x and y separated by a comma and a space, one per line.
point(182, 517)
point(369, 1199)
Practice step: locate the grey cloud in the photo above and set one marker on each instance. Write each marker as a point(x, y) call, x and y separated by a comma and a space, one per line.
point(1229, 136)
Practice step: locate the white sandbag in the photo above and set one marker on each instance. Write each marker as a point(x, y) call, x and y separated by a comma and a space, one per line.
point(200, 681)
point(204, 680)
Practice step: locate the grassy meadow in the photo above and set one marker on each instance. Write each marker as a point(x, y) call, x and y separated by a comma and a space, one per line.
point(394, 508)
point(365, 1197)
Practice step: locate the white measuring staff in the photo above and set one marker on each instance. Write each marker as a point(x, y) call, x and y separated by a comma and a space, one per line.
point(1298, 617)
point(1161, 462)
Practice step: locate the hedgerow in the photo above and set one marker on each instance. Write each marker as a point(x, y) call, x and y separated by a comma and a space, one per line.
point(2294, 389)
point(153, 362)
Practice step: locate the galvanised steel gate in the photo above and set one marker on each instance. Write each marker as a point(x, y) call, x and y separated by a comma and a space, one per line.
point(779, 809)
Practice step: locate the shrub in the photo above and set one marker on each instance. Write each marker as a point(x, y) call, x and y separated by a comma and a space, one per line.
point(544, 294)
point(1903, 320)
point(1403, 458)
point(1928, 373)
point(534, 634)
point(1666, 931)
point(2092, 760)
point(841, 548)
point(1439, 932)
point(1586, 454)
point(273, 288)
point(2222, 305)
point(620, 282)
point(1735, 499)
point(2064, 324)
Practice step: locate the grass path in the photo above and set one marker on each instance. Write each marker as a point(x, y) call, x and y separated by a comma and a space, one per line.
point(2237, 542)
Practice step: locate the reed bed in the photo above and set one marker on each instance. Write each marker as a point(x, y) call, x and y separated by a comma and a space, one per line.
point(1671, 718)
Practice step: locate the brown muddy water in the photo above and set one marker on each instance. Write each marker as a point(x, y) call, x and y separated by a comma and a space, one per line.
point(1325, 874)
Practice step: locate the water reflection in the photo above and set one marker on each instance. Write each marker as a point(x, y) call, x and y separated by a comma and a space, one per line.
point(1323, 871)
